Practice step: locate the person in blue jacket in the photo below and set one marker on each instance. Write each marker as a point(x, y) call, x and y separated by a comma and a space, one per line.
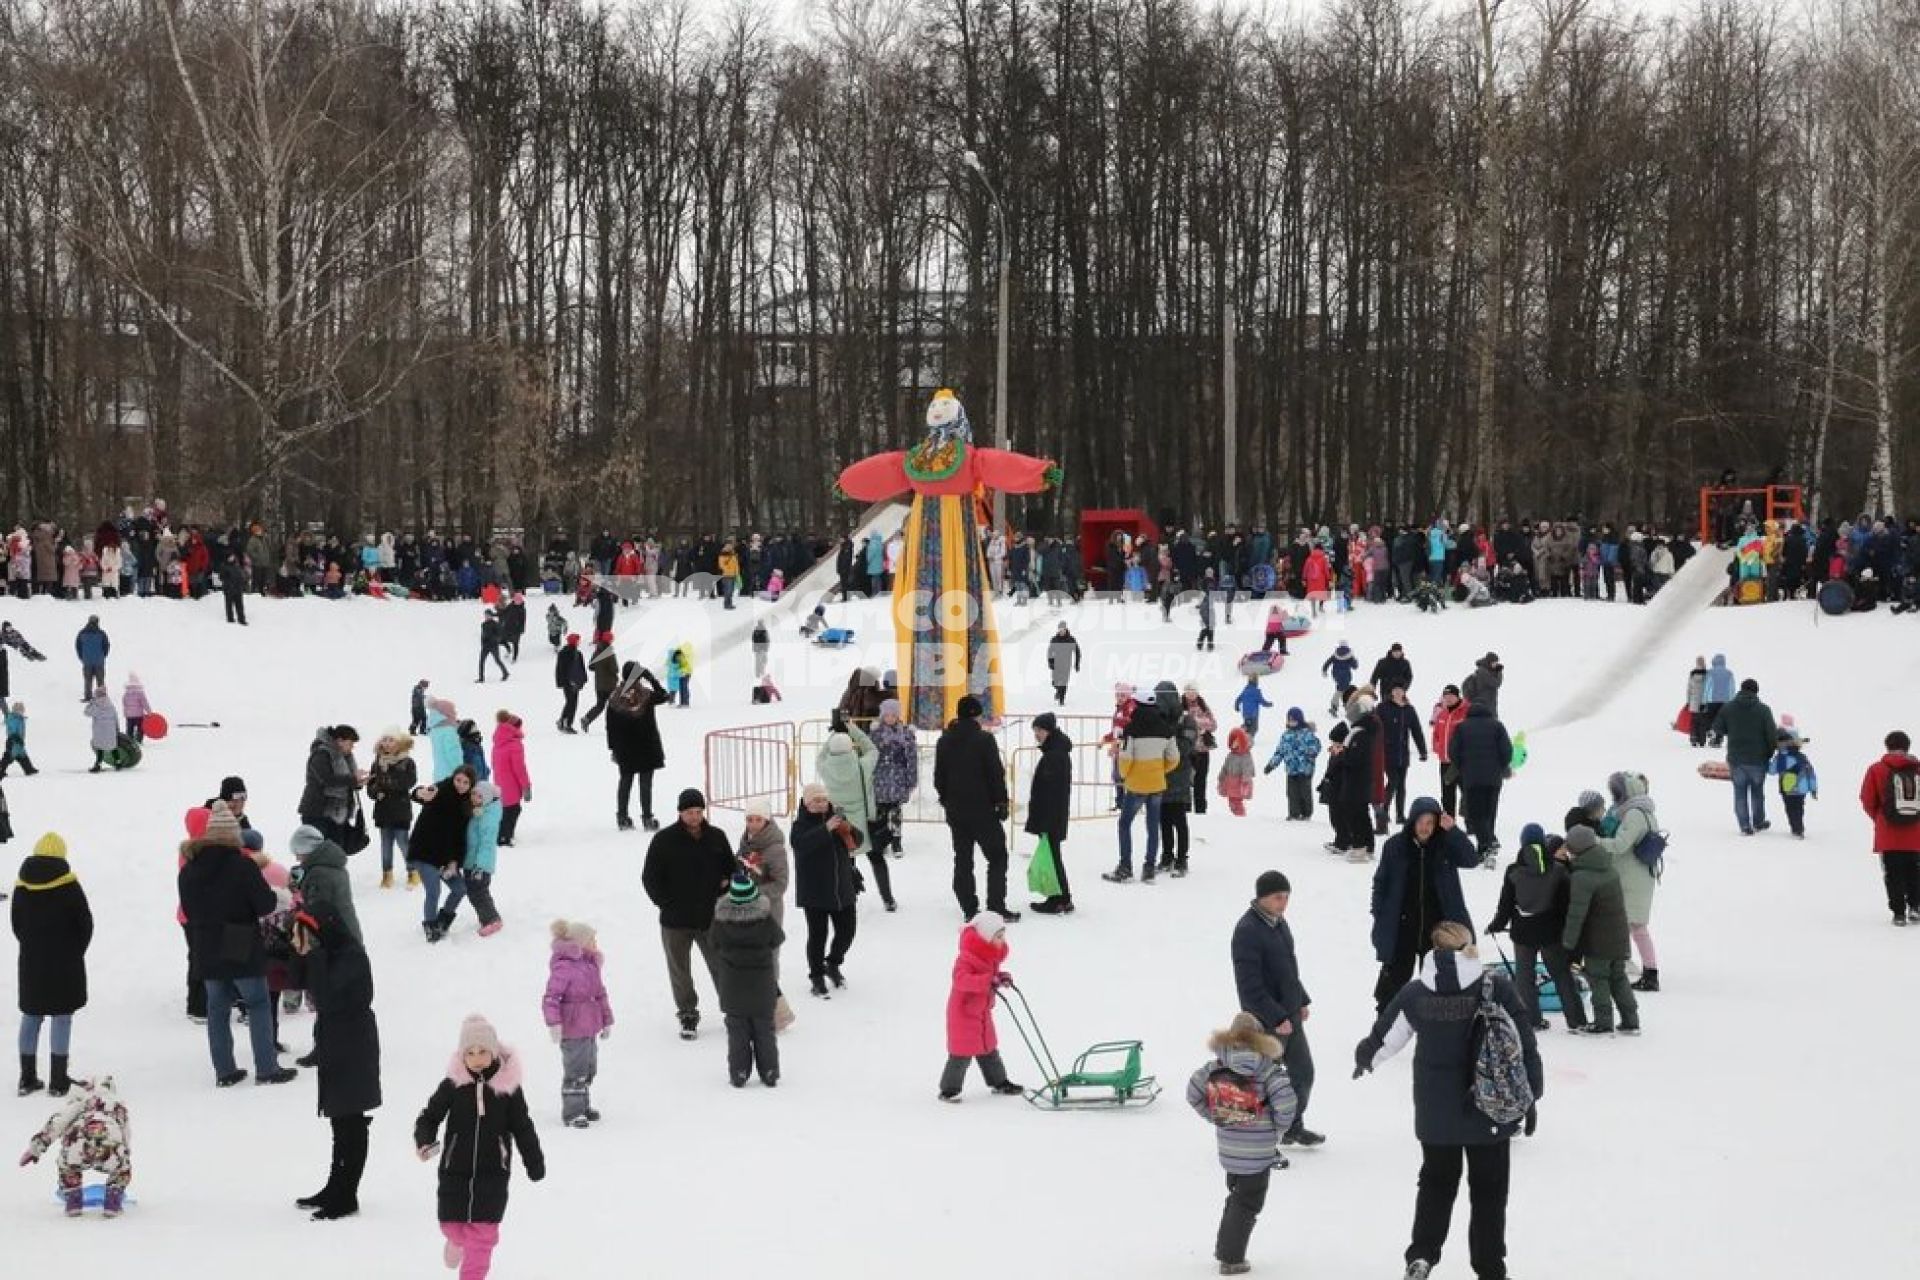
point(1717, 692)
point(483, 854)
point(92, 646)
point(1415, 887)
point(443, 735)
point(1248, 704)
point(1341, 667)
point(1439, 542)
point(1797, 779)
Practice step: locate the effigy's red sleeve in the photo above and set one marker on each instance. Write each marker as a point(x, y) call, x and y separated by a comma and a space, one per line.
point(1011, 472)
point(876, 479)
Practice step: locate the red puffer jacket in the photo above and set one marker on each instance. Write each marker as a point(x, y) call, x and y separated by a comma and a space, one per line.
point(1888, 836)
point(970, 1005)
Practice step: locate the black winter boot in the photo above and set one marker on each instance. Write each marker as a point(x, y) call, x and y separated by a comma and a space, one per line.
point(1649, 980)
point(58, 1083)
point(29, 1075)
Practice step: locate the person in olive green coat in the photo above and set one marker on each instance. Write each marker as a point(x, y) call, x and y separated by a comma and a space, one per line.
point(1596, 933)
point(1630, 821)
point(321, 877)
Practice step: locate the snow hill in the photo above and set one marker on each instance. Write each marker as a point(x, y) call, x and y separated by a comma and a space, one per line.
point(1755, 1130)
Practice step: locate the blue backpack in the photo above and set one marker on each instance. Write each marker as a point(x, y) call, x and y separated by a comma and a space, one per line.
point(1652, 852)
point(1501, 1091)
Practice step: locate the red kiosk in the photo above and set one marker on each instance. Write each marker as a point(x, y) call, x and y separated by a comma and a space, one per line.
point(1097, 528)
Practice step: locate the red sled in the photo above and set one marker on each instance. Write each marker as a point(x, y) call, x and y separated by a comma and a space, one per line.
point(1683, 723)
point(154, 726)
point(1717, 770)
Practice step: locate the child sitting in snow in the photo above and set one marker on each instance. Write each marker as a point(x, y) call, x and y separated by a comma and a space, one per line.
point(1236, 773)
point(578, 1014)
point(766, 691)
point(1298, 748)
point(1248, 1098)
point(815, 623)
point(970, 1033)
point(1797, 779)
point(16, 748)
point(93, 1133)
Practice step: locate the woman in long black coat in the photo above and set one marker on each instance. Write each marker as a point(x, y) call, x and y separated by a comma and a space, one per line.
point(346, 1049)
point(53, 924)
point(633, 736)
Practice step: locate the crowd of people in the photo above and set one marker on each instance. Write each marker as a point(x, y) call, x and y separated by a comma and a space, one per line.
point(266, 939)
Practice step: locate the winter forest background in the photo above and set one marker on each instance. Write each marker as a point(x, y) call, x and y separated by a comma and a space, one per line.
point(470, 262)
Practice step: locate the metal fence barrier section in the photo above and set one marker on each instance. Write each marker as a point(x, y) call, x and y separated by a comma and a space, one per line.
point(773, 761)
point(751, 762)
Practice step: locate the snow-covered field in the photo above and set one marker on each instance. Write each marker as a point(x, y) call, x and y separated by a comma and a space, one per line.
point(1759, 1128)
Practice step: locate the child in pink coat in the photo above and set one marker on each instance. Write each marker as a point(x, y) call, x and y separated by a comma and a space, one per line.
point(578, 1014)
point(970, 1034)
point(510, 772)
point(134, 705)
point(1236, 774)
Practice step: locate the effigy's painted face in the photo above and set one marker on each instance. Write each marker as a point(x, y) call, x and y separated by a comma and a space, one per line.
point(942, 411)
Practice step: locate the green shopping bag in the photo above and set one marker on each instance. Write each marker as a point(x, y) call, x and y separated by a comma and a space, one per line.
point(1043, 876)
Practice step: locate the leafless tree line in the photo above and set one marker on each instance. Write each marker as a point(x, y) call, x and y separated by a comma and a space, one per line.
point(556, 264)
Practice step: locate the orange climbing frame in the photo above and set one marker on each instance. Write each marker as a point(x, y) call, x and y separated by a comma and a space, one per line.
point(1774, 502)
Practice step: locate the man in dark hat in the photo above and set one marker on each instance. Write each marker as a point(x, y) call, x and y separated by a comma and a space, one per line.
point(686, 870)
point(971, 783)
point(1266, 977)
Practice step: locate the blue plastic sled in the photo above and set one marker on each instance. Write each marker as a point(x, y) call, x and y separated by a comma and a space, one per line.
point(834, 638)
point(93, 1197)
point(1549, 990)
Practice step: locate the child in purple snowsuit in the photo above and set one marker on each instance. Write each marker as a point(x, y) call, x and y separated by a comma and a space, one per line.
point(578, 1014)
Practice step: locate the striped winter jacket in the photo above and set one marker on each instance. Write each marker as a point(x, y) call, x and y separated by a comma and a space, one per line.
point(1249, 1100)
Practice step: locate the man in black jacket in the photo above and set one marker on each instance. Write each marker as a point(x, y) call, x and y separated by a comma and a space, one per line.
point(1483, 753)
point(223, 896)
point(1402, 735)
point(1266, 977)
point(1050, 804)
point(688, 865)
point(971, 784)
point(490, 639)
point(570, 677)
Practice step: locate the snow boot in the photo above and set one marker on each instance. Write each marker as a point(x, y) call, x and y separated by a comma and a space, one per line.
point(492, 927)
point(230, 1079)
point(1418, 1269)
point(413, 879)
point(689, 1025)
point(622, 822)
point(647, 823)
point(115, 1202)
point(1649, 980)
point(1300, 1136)
point(1009, 1089)
point(948, 1095)
point(1119, 875)
point(386, 879)
point(1235, 1268)
point(836, 978)
point(818, 986)
point(76, 1201)
point(57, 1082)
point(29, 1075)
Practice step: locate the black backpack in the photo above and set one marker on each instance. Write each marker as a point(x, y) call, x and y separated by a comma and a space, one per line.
point(1901, 803)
